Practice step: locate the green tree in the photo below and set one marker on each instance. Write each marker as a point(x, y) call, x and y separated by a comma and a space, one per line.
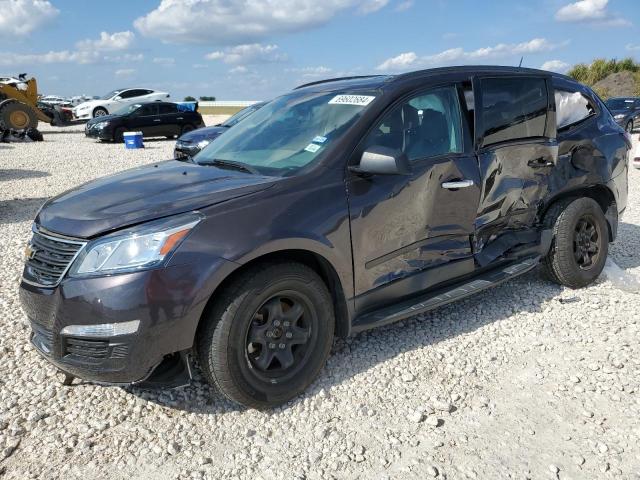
point(207, 99)
point(189, 98)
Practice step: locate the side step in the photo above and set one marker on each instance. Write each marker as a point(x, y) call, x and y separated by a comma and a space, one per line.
point(442, 296)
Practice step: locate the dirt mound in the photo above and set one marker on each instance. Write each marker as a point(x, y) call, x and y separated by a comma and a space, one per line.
point(621, 84)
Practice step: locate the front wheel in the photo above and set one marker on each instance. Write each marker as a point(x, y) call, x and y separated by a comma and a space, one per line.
point(580, 244)
point(629, 127)
point(268, 335)
point(100, 112)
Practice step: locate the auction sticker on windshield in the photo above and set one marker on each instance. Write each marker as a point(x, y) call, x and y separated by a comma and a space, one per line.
point(361, 100)
point(312, 147)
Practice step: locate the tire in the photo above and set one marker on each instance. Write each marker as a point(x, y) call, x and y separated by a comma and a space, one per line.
point(187, 128)
point(118, 135)
point(15, 115)
point(100, 112)
point(629, 127)
point(580, 242)
point(258, 374)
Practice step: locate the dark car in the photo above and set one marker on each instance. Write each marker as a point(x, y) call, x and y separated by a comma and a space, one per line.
point(341, 206)
point(626, 111)
point(153, 119)
point(192, 142)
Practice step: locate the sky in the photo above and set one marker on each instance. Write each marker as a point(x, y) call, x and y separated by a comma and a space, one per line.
point(259, 49)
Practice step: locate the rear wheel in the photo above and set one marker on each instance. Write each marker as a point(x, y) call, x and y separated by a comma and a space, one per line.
point(16, 115)
point(268, 336)
point(629, 126)
point(580, 244)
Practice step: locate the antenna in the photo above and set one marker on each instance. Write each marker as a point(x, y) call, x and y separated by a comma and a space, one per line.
point(520, 65)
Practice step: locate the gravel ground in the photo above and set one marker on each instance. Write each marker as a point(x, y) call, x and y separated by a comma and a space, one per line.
point(528, 380)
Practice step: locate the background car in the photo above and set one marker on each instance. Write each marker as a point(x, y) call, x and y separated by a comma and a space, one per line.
point(116, 100)
point(192, 142)
point(626, 111)
point(153, 119)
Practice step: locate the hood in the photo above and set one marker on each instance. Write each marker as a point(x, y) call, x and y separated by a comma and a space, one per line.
point(206, 133)
point(143, 194)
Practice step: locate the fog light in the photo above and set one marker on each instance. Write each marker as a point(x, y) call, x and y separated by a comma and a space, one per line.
point(102, 329)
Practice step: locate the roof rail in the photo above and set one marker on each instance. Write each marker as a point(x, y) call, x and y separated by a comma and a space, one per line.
point(336, 79)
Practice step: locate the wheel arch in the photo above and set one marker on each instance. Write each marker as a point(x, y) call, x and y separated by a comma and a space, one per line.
point(317, 262)
point(602, 194)
point(99, 107)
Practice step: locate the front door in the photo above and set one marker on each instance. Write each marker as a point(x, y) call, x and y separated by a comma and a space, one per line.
point(412, 232)
point(518, 151)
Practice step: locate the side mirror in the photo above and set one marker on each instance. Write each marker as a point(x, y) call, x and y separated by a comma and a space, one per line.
point(117, 97)
point(379, 160)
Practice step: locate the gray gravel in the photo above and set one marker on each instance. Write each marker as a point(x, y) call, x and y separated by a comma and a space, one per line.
point(528, 380)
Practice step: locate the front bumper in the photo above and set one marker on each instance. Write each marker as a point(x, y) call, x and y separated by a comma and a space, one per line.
point(168, 302)
point(82, 116)
point(98, 133)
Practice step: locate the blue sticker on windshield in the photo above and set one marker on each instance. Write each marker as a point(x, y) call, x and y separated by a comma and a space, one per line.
point(319, 139)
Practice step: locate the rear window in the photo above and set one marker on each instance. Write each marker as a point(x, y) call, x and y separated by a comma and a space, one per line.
point(513, 108)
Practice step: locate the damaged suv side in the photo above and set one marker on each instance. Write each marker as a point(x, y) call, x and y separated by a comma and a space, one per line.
point(341, 206)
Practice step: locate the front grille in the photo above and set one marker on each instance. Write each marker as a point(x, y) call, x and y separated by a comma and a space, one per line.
point(49, 257)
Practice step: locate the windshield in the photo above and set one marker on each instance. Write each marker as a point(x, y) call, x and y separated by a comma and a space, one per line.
point(110, 94)
point(128, 109)
point(620, 104)
point(289, 132)
point(245, 112)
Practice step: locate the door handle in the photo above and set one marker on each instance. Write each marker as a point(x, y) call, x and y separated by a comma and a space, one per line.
point(179, 118)
point(539, 163)
point(457, 184)
point(157, 120)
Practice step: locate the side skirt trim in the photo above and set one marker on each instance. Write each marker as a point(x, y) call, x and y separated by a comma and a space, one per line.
point(442, 296)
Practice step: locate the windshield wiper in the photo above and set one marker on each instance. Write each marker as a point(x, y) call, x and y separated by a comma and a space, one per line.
point(231, 164)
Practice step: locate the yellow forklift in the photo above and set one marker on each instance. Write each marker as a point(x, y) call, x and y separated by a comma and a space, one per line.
point(19, 108)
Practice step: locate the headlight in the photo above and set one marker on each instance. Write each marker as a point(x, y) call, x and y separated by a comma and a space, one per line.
point(203, 143)
point(619, 116)
point(100, 125)
point(135, 249)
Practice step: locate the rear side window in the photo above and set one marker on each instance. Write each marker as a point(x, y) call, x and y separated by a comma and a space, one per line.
point(572, 108)
point(166, 108)
point(513, 108)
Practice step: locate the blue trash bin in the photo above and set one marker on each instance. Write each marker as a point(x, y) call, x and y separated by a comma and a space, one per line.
point(133, 140)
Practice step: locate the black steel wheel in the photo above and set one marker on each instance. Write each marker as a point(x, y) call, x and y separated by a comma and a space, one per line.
point(279, 335)
point(586, 242)
point(187, 128)
point(580, 242)
point(268, 335)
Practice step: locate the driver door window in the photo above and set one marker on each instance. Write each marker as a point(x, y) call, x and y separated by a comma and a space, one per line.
point(427, 125)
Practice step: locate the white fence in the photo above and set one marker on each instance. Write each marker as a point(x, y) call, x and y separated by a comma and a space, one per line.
point(228, 103)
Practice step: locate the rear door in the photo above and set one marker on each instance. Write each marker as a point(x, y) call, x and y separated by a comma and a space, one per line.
point(146, 120)
point(410, 232)
point(169, 122)
point(517, 151)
